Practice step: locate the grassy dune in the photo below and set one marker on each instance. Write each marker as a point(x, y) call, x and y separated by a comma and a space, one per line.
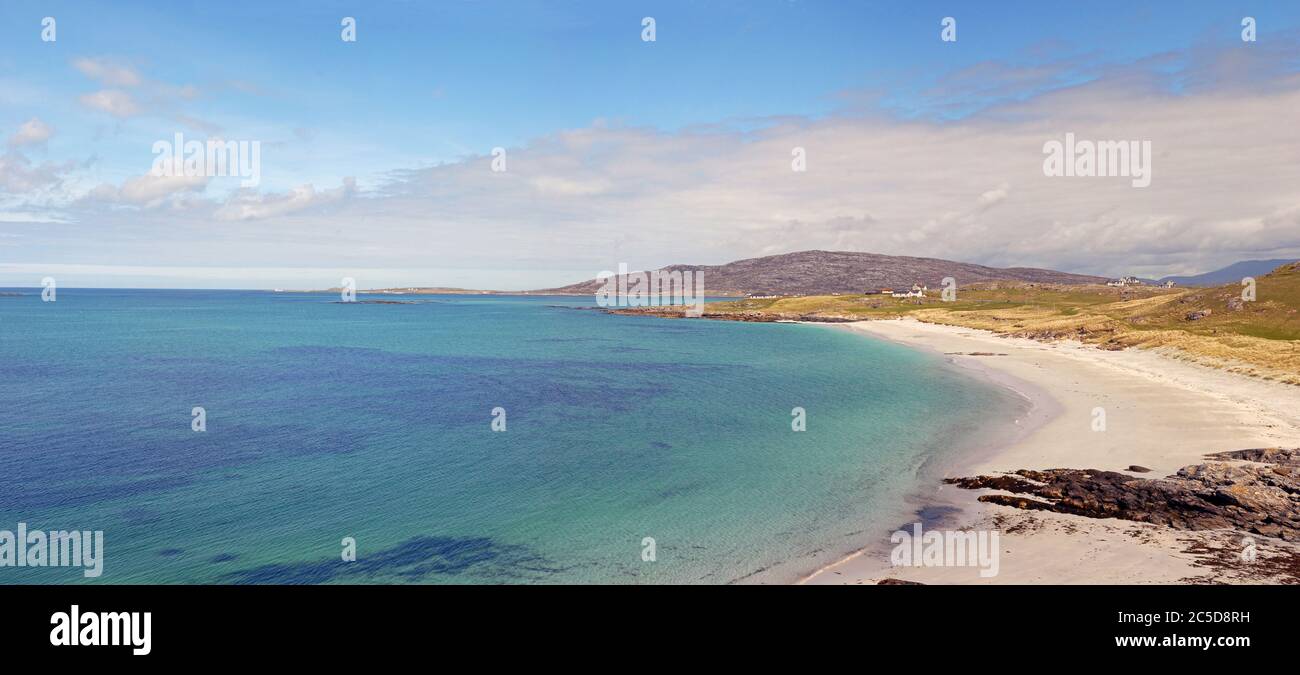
point(1209, 325)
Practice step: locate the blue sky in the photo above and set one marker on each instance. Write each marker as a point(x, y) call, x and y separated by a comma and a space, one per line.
point(428, 89)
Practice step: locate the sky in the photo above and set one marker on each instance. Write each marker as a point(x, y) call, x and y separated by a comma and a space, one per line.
point(376, 157)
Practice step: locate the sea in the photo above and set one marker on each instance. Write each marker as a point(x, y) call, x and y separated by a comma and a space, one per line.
point(248, 437)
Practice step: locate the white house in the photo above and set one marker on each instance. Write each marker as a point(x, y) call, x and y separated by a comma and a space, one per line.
point(918, 291)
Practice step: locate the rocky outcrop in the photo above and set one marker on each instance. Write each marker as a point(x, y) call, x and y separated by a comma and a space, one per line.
point(1254, 490)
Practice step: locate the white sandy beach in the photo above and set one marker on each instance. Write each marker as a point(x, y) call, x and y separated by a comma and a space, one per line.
point(1160, 412)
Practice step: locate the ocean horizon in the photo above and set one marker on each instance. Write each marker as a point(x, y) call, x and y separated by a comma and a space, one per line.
point(634, 449)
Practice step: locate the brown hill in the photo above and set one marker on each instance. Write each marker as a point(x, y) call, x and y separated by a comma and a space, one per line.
point(826, 272)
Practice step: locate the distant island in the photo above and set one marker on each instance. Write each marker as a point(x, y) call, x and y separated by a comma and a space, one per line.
point(803, 273)
point(828, 272)
point(847, 272)
point(408, 290)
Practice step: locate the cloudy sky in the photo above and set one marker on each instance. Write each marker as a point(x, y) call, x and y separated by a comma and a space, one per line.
point(376, 155)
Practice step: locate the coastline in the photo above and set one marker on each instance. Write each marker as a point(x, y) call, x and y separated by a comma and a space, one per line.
point(1161, 413)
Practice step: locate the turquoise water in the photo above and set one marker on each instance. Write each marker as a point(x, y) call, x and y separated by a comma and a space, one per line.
point(372, 421)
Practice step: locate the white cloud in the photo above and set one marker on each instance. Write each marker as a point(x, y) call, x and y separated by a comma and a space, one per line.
point(32, 132)
point(26, 217)
point(19, 176)
point(160, 98)
point(993, 197)
point(1225, 186)
point(249, 205)
point(112, 101)
point(968, 190)
point(149, 189)
point(107, 72)
point(569, 187)
point(152, 190)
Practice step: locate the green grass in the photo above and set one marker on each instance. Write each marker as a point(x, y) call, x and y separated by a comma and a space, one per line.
point(1269, 333)
point(1233, 331)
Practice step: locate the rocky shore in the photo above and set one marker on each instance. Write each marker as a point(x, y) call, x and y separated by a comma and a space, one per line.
point(1255, 491)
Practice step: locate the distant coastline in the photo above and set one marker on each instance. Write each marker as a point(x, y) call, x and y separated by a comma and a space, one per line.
point(1251, 328)
point(466, 291)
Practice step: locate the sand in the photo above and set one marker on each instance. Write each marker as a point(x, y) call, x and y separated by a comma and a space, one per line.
point(1160, 413)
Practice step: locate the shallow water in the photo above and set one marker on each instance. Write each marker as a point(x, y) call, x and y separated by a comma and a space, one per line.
point(370, 421)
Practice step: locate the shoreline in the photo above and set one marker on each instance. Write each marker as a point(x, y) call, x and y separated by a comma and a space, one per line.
point(1036, 408)
point(928, 501)
point(1161, 413)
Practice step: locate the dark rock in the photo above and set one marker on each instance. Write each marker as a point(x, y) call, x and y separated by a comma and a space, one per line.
point(1262, 496)
point(898, 582)
point(1138, 469)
